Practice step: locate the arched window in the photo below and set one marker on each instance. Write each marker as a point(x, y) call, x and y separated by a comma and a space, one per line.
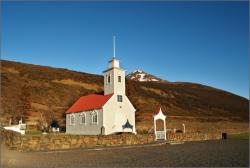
point(109, 79)
point(82, 118)
point(94, 118)
point(72, 119)
point(106, 79)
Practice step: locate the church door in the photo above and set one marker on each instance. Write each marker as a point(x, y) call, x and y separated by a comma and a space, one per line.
point(103, 130)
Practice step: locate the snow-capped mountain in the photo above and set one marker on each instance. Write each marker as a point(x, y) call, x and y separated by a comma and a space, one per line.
point(142, 76)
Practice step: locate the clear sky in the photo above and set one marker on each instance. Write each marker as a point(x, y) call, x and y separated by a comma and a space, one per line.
point(201, 42)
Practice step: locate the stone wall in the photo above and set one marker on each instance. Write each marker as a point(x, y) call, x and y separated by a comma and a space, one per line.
point(181, 137)
point(63, 141)
point(60, 141)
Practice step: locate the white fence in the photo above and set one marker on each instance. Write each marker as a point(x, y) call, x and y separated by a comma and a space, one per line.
point(160, 135)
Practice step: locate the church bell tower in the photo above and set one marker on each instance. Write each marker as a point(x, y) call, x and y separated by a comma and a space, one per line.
point(114, 77)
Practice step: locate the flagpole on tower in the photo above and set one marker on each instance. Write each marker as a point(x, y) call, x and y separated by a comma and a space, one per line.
point(114, 46)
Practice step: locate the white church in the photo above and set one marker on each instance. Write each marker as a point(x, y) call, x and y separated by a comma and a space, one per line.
point(103, 114)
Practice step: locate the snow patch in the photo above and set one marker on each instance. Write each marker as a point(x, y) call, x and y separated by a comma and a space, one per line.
point(137, 70)
point(142, 78)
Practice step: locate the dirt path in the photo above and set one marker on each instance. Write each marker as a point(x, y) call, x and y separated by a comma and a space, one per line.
point(210, 153)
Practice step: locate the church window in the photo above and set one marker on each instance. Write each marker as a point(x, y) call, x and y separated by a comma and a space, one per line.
point(83, 118)
point(94, 118)
point(119, 78)
point(119, 98)
point(109, 79)
point(72, 119)
point(106, 79)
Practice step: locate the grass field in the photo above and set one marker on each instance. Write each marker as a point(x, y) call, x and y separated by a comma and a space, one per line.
point(33, 132)
point(241, 136)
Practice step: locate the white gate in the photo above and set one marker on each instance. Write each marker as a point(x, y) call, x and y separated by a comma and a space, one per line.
point(160, 135)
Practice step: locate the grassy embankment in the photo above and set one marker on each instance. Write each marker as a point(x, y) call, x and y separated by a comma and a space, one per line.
point(241, 136)
point(33, 132)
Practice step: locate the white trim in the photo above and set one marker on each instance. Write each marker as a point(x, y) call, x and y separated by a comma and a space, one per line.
point(106, 79)
point(70, 121)
point(81, 115)
point(92, 117)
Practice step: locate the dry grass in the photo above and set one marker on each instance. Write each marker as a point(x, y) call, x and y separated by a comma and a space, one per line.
point(156, 91)
point(39, 106)
point(10, 70)
point(231, 127)
point(76, 83)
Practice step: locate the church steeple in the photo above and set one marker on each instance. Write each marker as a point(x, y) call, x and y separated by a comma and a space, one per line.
point(114, 46)
point(114, 76)
point(114, 62)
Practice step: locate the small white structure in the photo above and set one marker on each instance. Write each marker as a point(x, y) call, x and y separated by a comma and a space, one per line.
point(17, 128)
point(160, 135)
point(54, 129)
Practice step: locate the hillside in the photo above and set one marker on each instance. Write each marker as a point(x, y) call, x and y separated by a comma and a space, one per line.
point(41, 94)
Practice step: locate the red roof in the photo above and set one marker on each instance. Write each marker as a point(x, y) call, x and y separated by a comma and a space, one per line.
point(89, 102)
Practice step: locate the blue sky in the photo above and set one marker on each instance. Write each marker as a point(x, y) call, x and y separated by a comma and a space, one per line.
point(201, 42)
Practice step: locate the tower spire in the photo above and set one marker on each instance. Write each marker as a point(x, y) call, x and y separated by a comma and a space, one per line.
point(114, 46)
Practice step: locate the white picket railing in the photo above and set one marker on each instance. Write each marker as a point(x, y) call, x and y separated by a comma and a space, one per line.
point(160, 135)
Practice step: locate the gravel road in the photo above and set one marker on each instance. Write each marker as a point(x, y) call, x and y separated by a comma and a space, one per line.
point(224, 153)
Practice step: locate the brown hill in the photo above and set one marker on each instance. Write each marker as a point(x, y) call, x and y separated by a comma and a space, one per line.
point(41, 94)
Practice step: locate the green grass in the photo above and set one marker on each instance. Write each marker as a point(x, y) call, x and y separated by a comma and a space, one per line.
point(239, 136)
point(33, 132)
